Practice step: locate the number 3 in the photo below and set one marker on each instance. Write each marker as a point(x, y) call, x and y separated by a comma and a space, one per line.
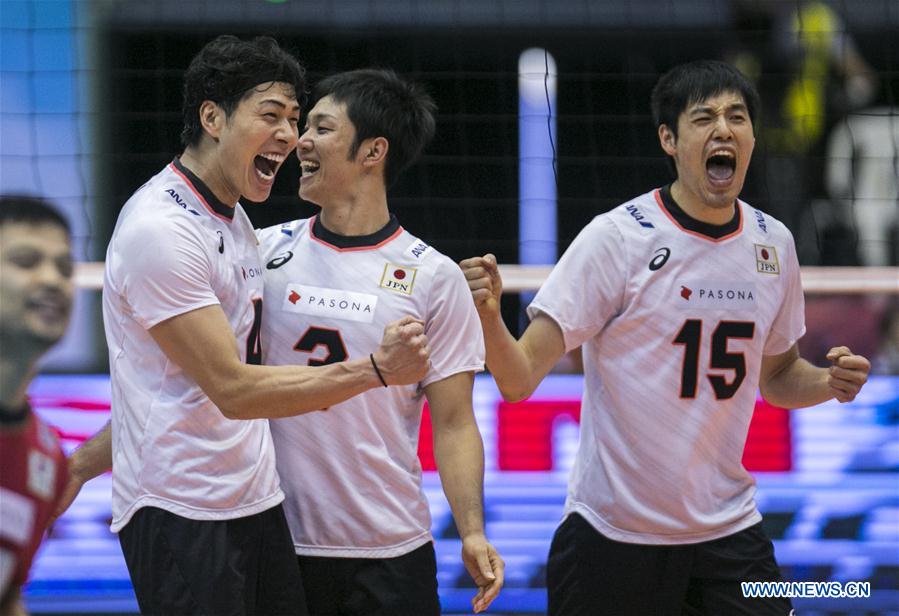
point(328, 338)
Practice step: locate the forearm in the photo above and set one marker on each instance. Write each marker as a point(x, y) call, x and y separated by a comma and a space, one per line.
point(797, 385)
point(94, 456)
point(254, 392)
point(508, 361)
point(459, 454)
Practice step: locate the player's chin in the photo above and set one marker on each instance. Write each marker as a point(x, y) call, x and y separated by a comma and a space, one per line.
point(308, 193)
point(258, 194)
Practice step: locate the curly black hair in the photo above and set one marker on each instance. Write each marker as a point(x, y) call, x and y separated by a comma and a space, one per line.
point(227, 69)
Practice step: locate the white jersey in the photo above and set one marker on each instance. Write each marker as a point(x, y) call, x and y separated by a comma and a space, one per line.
point(176, 248)
point(351, 473)
point(674, 325)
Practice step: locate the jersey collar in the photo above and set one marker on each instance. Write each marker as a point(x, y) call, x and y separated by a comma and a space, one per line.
point(11, 418)
point(203, 193)
point(355, 242)
point(696, 227)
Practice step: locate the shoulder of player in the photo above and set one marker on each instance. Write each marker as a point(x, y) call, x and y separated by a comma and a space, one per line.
point(641, 215)
point(430, 265)
point(628, 222)
point(276, 237)
point(764, 227)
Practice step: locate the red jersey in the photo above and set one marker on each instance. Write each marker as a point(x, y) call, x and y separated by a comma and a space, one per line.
point(33, 474)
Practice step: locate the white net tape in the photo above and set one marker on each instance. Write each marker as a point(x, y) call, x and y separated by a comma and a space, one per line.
point(519, 278)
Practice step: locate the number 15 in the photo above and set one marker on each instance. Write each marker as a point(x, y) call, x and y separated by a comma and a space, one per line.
point(690, 336)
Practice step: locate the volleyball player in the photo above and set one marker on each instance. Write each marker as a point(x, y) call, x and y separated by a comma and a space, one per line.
point(196, 496)
point(359, 519)
point(37, 290)
point(686, 301)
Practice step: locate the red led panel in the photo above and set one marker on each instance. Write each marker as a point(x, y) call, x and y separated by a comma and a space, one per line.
point(769, 443)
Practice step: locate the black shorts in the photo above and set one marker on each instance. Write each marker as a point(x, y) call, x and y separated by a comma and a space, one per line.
point(222, 568)
point(401, 586)
point(588, 573)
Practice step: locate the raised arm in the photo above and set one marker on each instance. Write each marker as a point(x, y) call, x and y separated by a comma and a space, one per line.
point(202, 344)
point(459, 453)
point(517, 366)
point(789, 381)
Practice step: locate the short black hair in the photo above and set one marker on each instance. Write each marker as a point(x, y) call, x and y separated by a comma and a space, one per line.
point(30, 210)
point(227, 69)
point(380, 103)
point(694, 82)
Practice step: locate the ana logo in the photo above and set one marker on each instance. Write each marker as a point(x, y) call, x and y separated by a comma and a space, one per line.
point(638, 216)
point(330, 303)
point(711, 295)
point(760, 219)
point(171, 192)
point(279, 260)
point(660, 259)
point(417, 250)
point(286, 230)
point(766, 260)
point(398, 279)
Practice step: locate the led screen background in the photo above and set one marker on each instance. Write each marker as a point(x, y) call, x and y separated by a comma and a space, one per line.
point(833, 515)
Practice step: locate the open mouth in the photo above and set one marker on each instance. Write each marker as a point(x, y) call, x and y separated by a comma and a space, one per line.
point(721, 165)
point(267, 165)
point(309, 167)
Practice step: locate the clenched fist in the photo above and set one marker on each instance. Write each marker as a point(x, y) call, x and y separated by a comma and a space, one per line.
point(485, 284)
point(847, 373)
point(403, 356)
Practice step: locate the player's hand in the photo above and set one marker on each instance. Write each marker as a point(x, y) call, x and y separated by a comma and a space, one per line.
point(403, 356)
point(486, 568)
point(69, 493)
point(848, 373)
point(485, 284)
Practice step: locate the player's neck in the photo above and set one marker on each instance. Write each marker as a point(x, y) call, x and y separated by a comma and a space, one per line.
point(356, 215)
point(15, 375)
point(205, 166)
point(694, 206)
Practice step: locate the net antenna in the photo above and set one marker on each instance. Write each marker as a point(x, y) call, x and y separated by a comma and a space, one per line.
point(537, 176)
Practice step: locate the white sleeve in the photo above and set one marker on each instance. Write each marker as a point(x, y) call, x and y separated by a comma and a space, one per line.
point(586, 287)
point(164, 271)
point(453, 328)
point(789, 324)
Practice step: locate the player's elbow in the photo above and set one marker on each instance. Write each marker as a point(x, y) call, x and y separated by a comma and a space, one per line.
point(515, 393)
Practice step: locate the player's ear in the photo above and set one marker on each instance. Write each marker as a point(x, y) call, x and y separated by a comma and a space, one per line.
point(667, 140)
point(374, 151)
point(212, 118)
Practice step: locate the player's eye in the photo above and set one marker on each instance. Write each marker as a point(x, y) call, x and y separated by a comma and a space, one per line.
point(25, 260)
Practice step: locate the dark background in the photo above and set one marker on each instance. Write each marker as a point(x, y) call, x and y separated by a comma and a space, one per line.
point(462, 197)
